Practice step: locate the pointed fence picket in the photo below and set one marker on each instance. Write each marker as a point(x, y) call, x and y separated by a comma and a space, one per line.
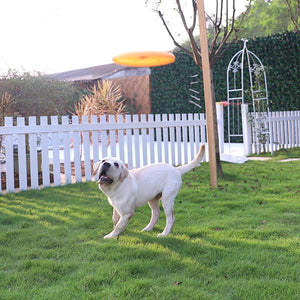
point(55, 153)
point(158, 138)
point(34, 179)
point(151, 139)
point(10, 182)
point(22, 160)
point(144, 141)
point(77, 151)
point(136, 135)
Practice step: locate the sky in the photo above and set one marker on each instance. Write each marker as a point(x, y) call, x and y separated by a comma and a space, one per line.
point(51, 36)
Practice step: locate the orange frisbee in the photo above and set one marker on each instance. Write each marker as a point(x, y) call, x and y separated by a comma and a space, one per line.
point(144, 59)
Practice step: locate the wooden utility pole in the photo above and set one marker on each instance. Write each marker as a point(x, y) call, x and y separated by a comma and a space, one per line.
point(211, 121)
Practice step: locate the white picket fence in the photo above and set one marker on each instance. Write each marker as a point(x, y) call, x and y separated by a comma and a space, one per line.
point(284, 131)
point(63, 151)
point(66, 147)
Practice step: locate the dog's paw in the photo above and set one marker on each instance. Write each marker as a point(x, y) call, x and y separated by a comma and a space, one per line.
point(146, 229)
point(110, 236)
point(161, 234)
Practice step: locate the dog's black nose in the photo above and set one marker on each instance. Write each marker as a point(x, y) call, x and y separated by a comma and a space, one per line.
point(106, 165)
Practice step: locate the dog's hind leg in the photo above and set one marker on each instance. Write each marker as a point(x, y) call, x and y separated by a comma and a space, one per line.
point(168, 205)
point(154, 205)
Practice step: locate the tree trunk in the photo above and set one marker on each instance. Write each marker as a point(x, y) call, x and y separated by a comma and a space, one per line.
point(218, 160)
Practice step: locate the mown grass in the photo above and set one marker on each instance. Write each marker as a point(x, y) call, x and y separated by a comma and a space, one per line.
point(240, 241)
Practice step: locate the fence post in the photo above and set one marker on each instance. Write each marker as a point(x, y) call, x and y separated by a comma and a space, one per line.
point(220, 119)
point(246, 130)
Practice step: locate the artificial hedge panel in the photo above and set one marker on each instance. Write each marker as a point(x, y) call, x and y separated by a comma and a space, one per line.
point(280, 55)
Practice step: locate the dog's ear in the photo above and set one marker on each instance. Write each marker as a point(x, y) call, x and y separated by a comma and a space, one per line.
point(124, 173)
point(96, 167)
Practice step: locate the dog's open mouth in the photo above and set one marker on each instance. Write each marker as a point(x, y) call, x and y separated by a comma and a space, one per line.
point(103, 178)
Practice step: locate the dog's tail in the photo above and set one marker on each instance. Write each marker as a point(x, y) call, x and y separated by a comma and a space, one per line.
point(194, 163)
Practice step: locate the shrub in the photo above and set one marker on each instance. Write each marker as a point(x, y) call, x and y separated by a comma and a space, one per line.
point(38, 95)
point(105, 98)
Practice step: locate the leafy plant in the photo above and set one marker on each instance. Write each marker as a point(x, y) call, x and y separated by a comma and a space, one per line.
point(105, 98)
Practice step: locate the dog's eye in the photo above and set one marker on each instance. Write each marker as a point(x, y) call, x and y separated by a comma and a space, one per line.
point(116, 165)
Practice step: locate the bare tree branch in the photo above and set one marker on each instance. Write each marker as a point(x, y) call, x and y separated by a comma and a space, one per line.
point(228, 34)
point(172, 37)
point(227, 16)
point(194, 15)
point(216, 49)
point(217, 28)
point(210, 18)
point(214, 41)
point(217, 10)
point(215, 58)
point(194, 46)
point(221, 14)
point(182, 15)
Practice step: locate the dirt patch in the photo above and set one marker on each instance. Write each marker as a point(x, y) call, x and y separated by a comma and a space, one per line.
point(289, 159)
point(259, 158)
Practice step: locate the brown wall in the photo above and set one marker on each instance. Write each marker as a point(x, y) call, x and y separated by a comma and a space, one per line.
point(137, 90)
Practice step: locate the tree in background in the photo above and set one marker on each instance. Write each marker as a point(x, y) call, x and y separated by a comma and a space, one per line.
point(223, 30)
point(38, 95)
point(262, 18)
point(269, 17)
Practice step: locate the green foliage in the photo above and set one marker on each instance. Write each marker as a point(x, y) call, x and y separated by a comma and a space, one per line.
point(38, 95)
point(240, 241)
point(268, 17)
point(279, 54)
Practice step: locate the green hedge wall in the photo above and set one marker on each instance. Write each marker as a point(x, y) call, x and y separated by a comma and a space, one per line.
point(280, 54)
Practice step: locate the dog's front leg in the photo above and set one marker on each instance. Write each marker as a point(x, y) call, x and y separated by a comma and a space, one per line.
point(115, 217)
point(121, 225)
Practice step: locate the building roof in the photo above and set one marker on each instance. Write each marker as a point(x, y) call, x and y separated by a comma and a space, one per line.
point(108, 71)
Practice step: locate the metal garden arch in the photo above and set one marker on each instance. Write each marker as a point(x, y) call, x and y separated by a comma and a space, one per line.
point(256, 92)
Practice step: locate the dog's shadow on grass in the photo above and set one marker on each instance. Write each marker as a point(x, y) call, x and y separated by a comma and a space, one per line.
point(197, 247)
point(185, 245)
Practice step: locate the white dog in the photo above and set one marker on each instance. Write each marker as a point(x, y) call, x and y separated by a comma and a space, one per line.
point(127, 190)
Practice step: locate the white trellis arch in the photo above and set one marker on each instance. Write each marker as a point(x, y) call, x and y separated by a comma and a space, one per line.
point(256, 92)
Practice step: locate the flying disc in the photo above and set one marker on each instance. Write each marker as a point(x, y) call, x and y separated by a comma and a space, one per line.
point(144, 59)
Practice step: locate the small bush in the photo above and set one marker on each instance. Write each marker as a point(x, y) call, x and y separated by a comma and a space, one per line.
point(105, 98)
point(38, 95)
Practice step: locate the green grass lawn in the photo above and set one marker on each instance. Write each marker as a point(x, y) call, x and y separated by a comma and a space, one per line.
point(240, 241)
